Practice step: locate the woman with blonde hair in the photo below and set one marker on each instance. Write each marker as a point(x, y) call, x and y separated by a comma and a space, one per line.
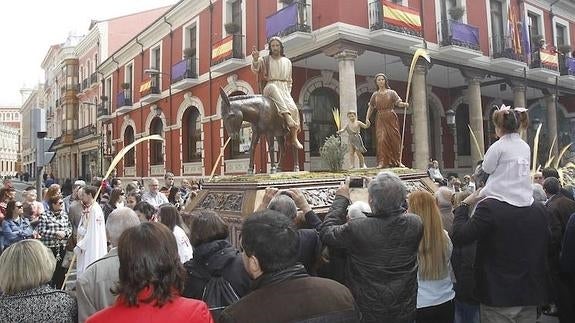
point(435, 289)
point(26, 267)
point(53, 190)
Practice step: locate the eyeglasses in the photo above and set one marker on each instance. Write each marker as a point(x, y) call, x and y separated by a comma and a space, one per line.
point(60, 203)
point(19, 206)
point(123, 193)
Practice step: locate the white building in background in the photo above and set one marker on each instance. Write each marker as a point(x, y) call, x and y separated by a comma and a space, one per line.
point(9, 150)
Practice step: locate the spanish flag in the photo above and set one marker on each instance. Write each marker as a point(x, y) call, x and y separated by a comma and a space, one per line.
point(549, 58)
point(146, 86)
point(401, 16)
point(223, 49)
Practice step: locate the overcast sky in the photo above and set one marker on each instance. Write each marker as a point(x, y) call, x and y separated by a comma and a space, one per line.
point(29, 27)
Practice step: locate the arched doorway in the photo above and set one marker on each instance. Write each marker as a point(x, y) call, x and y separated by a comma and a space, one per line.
point(129, 158)
point(191, 135)
point(156, 151)
point(322, 100)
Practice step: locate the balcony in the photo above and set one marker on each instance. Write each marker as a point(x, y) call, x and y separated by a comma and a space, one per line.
point(395, 25)
point(94, 78)
point(84, 132)
point(104, 112)
point(505, 56)
point(544, 64)
point(149, 90)
point(123, 101)
point(458, 40)
point(567, 71)
point(227, 54)
point(184, 74)
point(291, 24)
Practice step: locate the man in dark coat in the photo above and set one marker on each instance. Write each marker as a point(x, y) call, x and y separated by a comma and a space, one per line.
point(282, 291)
point(511, 257)
point(381, 268)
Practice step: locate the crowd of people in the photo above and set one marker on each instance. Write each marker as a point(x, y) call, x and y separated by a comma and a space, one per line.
point(495, 251)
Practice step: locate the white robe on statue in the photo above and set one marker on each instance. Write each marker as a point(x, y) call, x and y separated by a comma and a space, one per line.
point(91, 244)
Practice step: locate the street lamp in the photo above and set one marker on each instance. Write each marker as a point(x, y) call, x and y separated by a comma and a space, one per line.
point(307, 113)
point(450, 118)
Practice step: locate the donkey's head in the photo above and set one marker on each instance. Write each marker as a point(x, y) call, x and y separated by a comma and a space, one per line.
point(232, 116)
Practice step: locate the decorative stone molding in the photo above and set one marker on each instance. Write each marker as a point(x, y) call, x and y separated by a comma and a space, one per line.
point(189, 101)
point(325, 80)
point(223, 201)
point(157, 170)
point(193, 168)
point(130, 171)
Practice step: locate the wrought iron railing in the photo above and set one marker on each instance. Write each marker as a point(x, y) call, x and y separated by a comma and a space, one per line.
point(184, 69)
point(288, 20)
point(452, 32)
point(123, 98)
point(227, 48)
point(84, 131)
point(151, 86)
point(542, 58)
point(503, 47)
point(391, 16)
point(94, 78)
point(104, 109)
point(85, 84)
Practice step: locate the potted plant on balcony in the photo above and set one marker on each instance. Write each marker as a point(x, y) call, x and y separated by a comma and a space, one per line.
point(232, 28)
point(456, 13)
point(189, 52)
point(537, 42)
point(127, 93)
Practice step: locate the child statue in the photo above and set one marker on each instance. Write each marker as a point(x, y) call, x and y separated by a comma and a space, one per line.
point(356, 146)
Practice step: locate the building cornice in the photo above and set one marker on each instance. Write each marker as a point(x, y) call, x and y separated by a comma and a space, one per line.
point(89, 41)
point(178, 15)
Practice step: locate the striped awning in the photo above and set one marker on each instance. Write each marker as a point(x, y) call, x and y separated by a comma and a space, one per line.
point(223, 48)
point(401, 16)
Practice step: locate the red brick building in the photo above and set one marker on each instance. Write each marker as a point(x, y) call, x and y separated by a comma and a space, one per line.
point(480, 57)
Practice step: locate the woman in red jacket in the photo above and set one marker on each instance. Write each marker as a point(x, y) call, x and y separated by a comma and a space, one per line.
point(151, 279)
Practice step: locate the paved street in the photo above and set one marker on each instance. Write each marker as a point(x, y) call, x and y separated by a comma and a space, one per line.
point(20, 186)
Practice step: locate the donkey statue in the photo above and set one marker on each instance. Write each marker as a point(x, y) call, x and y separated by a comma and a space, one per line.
point(264, 119)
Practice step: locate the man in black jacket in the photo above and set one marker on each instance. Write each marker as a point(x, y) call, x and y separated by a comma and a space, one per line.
point(510, 263)
point(282, 291)
point(382, 263)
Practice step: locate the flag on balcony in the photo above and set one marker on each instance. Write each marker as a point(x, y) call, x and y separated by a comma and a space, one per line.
point(549, 59)
point(401, 16)
point(146, 86)
point(525, 41)
point(514, 32)
point(223, 48)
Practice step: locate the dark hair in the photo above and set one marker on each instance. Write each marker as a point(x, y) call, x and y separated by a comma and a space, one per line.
point(115, 196)
point(272, 238)
point(510, 120)
point(114, 181)
point(53, 200)
point(90, 190)
point(135, 195)
point(172, 196)
point(170, 217)
point(30, 188)
point(10, 208)
point(145, 208)
point(281, 45)
point(387, 86)
point(148, 256)
point(4, 192)
point(206, 226)
point(551, 185)
point(550, 172)
point(67, 187)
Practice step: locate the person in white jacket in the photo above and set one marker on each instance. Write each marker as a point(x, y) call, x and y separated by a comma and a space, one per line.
point(91, 244)
point(169, 216)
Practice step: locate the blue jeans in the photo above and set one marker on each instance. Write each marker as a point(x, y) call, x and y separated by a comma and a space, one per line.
point(466, 313)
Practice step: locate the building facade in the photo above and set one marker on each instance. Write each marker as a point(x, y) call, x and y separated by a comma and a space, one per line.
point(484, 53)
point(74, 94)
point(10, 123)
point(32, 98)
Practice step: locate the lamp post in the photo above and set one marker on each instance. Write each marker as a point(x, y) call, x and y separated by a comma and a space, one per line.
point(450, 118)
point(307, 113)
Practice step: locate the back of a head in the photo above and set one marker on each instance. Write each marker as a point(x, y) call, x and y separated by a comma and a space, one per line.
point(443, 197)
point(550, 172)
point(551, 185)
point(90, 190)
point(147, 209)
point(169, 216)
point(120, 220)
point(206, 226)
point(357, 210)
point(25, 265)
point(148, 256)
point(431, 256)
point(538, 192)
point(510, 121)
point(387, 194)
point(284, 205)
point(272, 238)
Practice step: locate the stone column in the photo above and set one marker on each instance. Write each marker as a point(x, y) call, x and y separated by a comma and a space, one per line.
point(419, 117)
point(550, 101)
point(519, 101)
point(475, 113)
point(347, 91)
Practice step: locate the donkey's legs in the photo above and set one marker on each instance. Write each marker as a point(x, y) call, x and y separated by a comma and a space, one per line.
point(295, 159)
point(271, 151)
point(281, 151)
point(254, 142)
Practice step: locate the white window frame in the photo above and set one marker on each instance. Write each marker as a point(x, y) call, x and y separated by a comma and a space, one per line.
point(130, 63)
point(195, 22)
point(556, 20)
point(281, 5)
point(460, 3)
point(537, 12)
point(226, 17)
point(505, 6)
point(151, 58)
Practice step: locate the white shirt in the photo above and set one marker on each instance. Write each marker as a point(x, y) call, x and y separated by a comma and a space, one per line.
point(91, 244)
point(155, 199)
point(436, 292)
point(184, 246)
point(507, 163)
